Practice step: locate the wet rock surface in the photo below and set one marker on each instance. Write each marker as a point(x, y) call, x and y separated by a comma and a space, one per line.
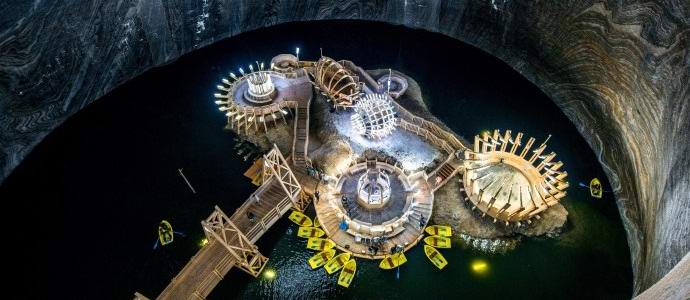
point(619, 71)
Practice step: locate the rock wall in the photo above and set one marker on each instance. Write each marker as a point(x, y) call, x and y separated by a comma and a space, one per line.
point(619, 69)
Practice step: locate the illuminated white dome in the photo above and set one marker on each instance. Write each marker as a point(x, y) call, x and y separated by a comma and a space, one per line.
point(374, 116)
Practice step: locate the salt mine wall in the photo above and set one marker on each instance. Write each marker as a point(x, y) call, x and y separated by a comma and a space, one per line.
point(620, 70)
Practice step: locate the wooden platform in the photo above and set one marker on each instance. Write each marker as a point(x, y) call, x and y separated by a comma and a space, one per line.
point(407, 236)
point(255, 172)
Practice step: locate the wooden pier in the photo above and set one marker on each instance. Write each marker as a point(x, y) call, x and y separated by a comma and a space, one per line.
point(232, 238)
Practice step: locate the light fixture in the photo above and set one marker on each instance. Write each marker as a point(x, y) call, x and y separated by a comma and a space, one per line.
point(270, 274)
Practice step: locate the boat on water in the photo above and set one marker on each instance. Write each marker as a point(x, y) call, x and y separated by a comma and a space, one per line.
point(310, 232)
point(300, 219)
point(435, 257)
point(321, 258)
point(438, 241)
point(316, 222)
point(595, 188)
point(337, 262)
point(165, 233)
point(440, 230)
point(393, 261)
point(319, 244)
point(348, 273)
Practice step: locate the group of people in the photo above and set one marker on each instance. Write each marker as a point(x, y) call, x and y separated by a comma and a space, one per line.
point(375, 244)
point(347, 204)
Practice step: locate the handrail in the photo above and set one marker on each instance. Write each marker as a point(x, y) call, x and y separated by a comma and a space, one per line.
point(421, 131)
point(429, 126)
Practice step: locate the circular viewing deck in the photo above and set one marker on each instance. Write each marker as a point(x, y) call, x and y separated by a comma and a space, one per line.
point(370, 227)
point(509, 183)
point(257, 98)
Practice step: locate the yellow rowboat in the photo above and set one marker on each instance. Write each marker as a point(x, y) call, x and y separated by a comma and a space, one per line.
point(348, 273)
point(319, 244)
point(165, 233)
point(392, 261)
point(316, 222)
point(435, 257)
point(300, 219)
point(336, 263)
point(321, 258)
point(437, 241)
point(595, 188)
point(309, 232)
point(439, 230)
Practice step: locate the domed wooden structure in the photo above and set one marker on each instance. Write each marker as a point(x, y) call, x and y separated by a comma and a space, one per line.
point(335, 81)
point(508, 185)
point(374, 116)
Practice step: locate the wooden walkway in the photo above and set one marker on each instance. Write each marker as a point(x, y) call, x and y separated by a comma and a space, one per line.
point(231, 238)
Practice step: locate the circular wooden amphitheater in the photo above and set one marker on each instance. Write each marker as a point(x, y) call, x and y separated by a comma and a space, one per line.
point(510, 183)
point(255, 99)
point(370, 221)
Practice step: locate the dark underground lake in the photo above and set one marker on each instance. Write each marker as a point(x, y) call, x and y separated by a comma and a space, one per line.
point(87, 201)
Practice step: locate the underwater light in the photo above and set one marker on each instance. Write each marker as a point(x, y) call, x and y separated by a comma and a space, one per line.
point(269, 274)
point(479, 266)
point(203, 242)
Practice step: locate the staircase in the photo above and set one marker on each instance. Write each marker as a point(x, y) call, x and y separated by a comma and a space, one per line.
point(420, 212)
point(301, 139)
point(329, 220)
point(445, 172)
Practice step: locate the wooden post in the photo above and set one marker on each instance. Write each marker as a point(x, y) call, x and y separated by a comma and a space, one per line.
point(276, 166)
point(221, 229)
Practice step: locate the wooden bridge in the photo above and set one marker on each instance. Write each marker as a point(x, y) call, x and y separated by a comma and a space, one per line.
point(232, 238)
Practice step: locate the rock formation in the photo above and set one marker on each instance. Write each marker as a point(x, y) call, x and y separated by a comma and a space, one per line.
point(620, 70)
